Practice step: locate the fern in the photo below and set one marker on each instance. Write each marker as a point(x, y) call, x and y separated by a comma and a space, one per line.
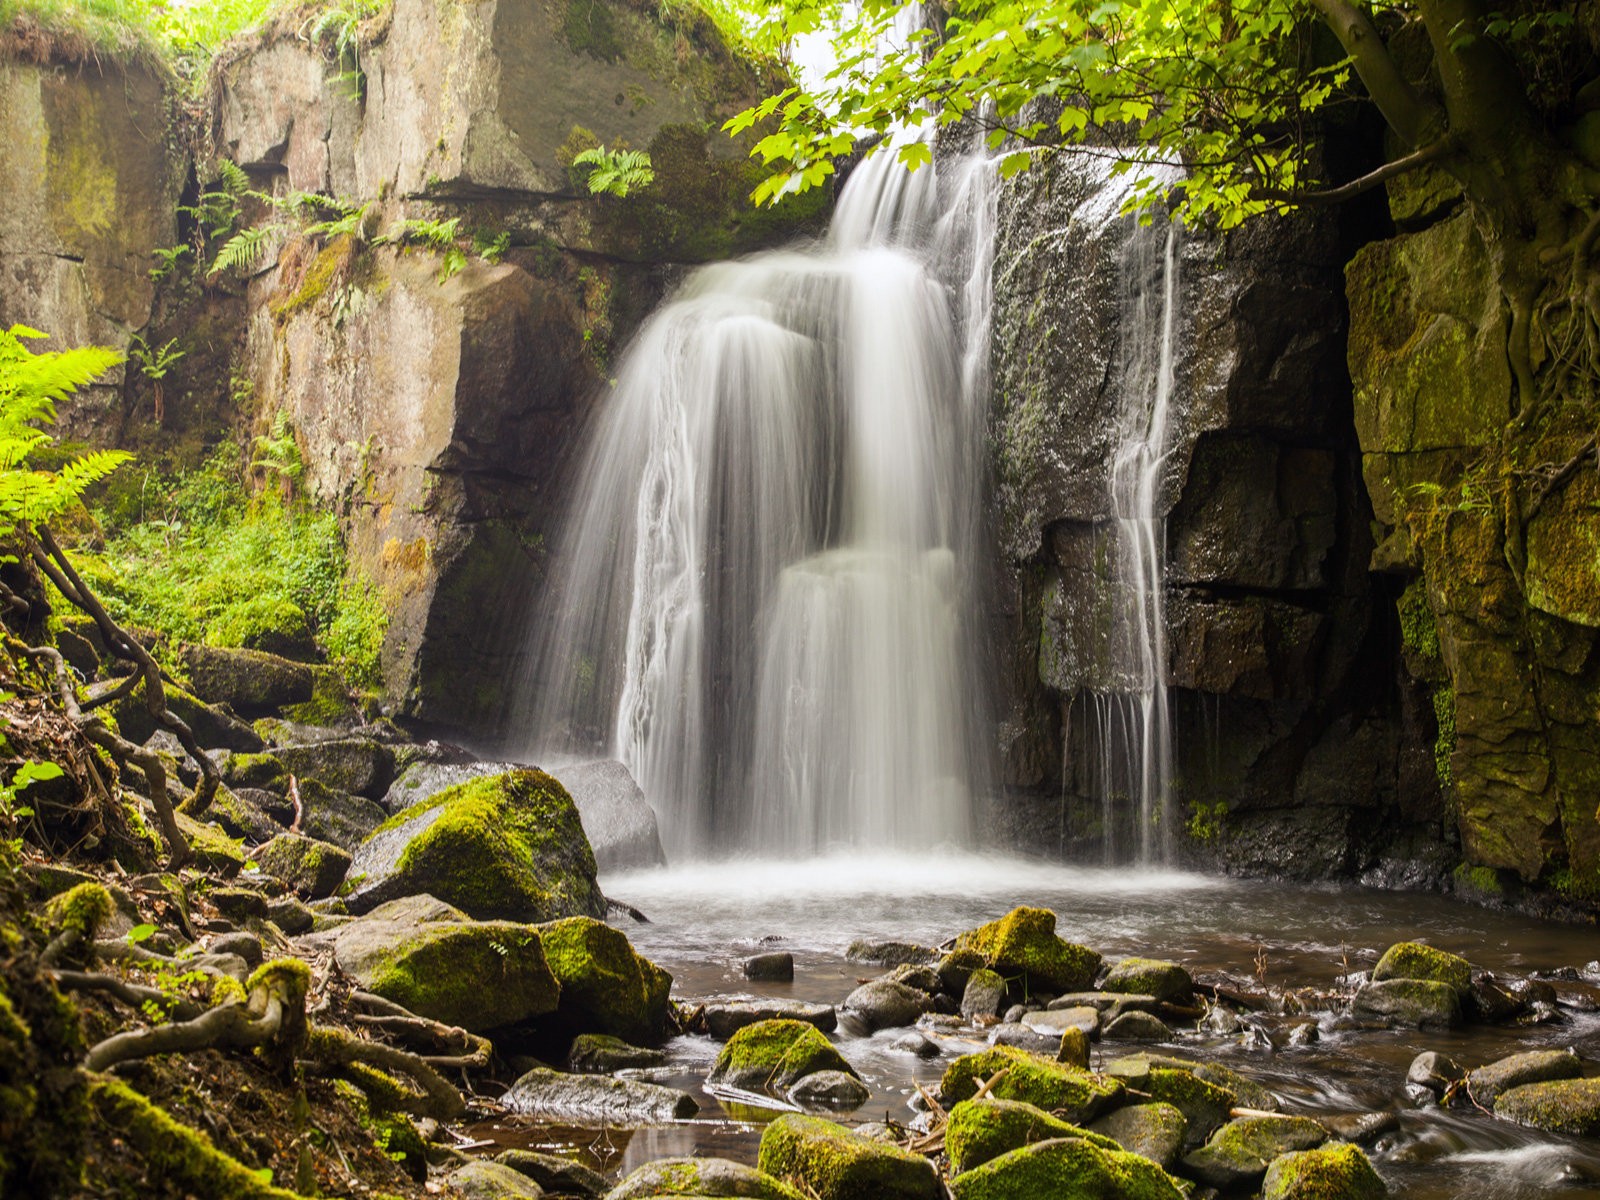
point(346, 218)
point(244, 251)
point(616, 172)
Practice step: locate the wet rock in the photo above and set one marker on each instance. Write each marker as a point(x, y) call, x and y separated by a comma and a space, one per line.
point(619, 822)
point(776, 1055)
point(546, 1093)
point(431, 959)
point(313, 869)
point(1487, 1083)
point(778, 968)
point(832, 1163)
point(602, 1054)
point(1434, 1071)
point(1327, 1173)
point(980, 1130)
point(1052, 1022)
point(912, 975)
point(1361, 1128)
point(1154, 1131)
point(1073, 1094)
point(1413, 960)
point(1024, 942)
point(1239, 1152)
point(1015, 1013)
point(502, 846)
point(956, 968)
point(723, 1019)
point(1014, 1033)
point(915, 1043)
point(890, 954)
point(356, 765)
point(830, 1089)
point(1304, 1033)
point(1066, 1167)
point(1489, 1001)
point(492, 1181)
point(1074, 1048)
point(1221, 1020)
point(1137, 1027)
point(251, 682)
point(701, 1177)
point(1165, 981)
point(554, 1173)
point(1415, 1002)
point(881, 1004)
point(983, 996)
point(1559, 1106)
point(605, 986)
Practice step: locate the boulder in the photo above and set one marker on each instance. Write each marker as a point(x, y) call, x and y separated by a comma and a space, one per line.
point(1434, 1071)
point(1339, 1172)
point(883, 1004)
point(979, 1130)
point(619, 821)
point(777, 968)
point(983, 995)
point(1073, 1094)
point(552, 1094)
point(1018, 1035)
point(605, 986)
point(717, 1177)
point(1053, 1023)
point(1066, 1167)
point(1417, 1002)
point(556, 1174)
point(431, 959)
point(252, 682)
point(1360, 1127)
point(213, 728)
point(601, 1054)
point(313, 869)
point(335, 816)
point(1238, 1154)
point(1413, 960)
point(775, 1055)
point(289, 915)
point(501, 846)
point(242, 817)
point(829, 1162)
point(492, 1181)
point(830, 1089)
point(955, 970)
point(725, 1018)
point(1203, 1103)
point(1486, 1084)
point(1247, 1091)
point(1136, 1027)
point(356, 765)
point(890, 954)
point(1154, 1131)
point(1165, 981)
point(1024, 942)
point(1559, 1106)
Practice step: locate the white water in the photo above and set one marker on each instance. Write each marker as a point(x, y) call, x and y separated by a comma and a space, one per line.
point(761, 603)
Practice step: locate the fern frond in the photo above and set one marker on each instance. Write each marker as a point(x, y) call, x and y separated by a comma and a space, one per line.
point(244, 251)
point(232, 177)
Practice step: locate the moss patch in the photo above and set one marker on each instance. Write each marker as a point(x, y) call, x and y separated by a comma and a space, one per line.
point(1559, 1106)
point(1413, 960)
point(605, 986)
point(980, 1130)
point(1024, 942)
point(776, 1055)
point(1067, 1169)
point(1055, 1087)
point(830, 1162)
point(1332, 1173)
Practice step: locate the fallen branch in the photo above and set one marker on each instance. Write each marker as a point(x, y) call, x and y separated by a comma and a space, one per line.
point(467, 1049)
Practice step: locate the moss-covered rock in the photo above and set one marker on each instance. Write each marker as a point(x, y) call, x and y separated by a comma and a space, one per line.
point(1074, 1094)
point(1066, 1169)
point(336, 816)
point(1024, 942)
point(313, 869)
point(213, 728)
point(1487, 1083)
point(602, 1054)
point(1135, 1068)
point(1558, 1106)
point(1149, 977)
point(1239, 1152)
point(605, 986)
point(1155, 1131)
point(701, 1177)
point(271, 623)
point(213, 849)
point(775, 1055)
point(1413, 960)
point(357, 765)
point(831, 1162)
point(554, 1173)
point(506, 845)
point(1204, 1105)
point(980, 1130)
point(1339, 1172)
point(248, 681)
point(491, 1181)
point(261, 770)
point(1417, 1002)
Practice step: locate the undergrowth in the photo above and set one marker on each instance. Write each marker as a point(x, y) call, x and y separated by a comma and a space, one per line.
point(197, 558)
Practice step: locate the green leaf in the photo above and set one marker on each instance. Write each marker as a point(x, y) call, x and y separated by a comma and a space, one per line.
point(915, 154)
point(140, 933)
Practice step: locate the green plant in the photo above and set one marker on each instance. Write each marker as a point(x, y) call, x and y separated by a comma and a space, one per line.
point(154, 363)
point(438, 236)
point(167, 259)
point(1206, 821)
point(616, 172)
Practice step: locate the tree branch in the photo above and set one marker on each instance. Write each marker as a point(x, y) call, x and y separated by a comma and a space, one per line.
point(1408, 113)
point(1400, 166)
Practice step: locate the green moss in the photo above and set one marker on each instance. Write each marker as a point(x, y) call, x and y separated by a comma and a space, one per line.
point(980, 1130)
point(776, 1055)
point(830, 1162)
point(1067, 1169)
point(1071, 1093)
point(1482, 882)
point(1204, 1105)
point(330, 701)
point(428, 972)
point(378, 1101)
point(1418, 632)
point(331, 265)
point(1413, 960)
point(311, 867)
point(1444, 743)
point(213, 850)
point(1245, 1146)
point(589, 27)
point(605, 986)
point(1149, 977)
point(1557, 1106)
point(255, 771)
point(80, 911)
point(272, 623)
point(1339, 1172)
point(1024, 942)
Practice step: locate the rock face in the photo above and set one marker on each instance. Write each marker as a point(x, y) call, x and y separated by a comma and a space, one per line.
point(1294, 755)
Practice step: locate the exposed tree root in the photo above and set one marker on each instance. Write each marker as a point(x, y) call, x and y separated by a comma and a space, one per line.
point(134, 994)
point(334, 1048)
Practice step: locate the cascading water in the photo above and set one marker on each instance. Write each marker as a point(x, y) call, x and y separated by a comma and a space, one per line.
point(761, 603)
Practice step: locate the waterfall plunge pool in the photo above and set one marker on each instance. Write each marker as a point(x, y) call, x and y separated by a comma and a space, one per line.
point(706, 919)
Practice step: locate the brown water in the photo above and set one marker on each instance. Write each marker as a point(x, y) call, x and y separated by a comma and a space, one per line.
point(705, 920)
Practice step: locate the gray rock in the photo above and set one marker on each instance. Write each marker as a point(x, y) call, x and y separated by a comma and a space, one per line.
point(343, 819)
point(1239, 1153)
point(915, 1043)
point(709, 1177)
point(239, 903)
point(985, 993)
point(1361, 1128)
point(313, 868)
point(882, 1004)
point(248, 681)
point(724, 1018)
point(1053, 1021)
point(242, 817)
point(891, 954)
point(778, 968)
point(289, 915)
point(1434, 1071)
point(601, 1054)
point(230, 965)
point(1165, 981)
point(1152, 1130)
point(1136, 1027)
point(1014, 1033)
point(830, 1089)
point(1489, 1000)
point(1416, 1002)
point(246, 945)
point(555, 1174)
point(912, 975)
point(619, 821)
point(1488, 1083)
point(356, 765)
point(546, 1093)
point(492, 1181)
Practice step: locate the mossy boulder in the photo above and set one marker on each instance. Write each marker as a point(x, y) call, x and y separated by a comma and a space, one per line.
point(1416, 1002)
point(1073, 1094)
point(1558, 1106)
point(1149, 977)
point(701, 1177)
point(602, 1054)
point(1155, 1131)
point(1135, 1070)
point(255, 769)
point(1239, 1152)
point(479, 975)
point(250, 682)
point(357, 765)
point(274, 624)
point(508, 846)
point(491, 1181)
point(775, 1055)
point(980, 1130)
point(337, 816)
point(213, 728)
point(1486, 1084)
point(1340, 1172)
point(313, 869)
point(605, 986)
point(1413, 960)
point(1024, 942)
point(830, 1162)
point(212, 848)
point(1066, 1169)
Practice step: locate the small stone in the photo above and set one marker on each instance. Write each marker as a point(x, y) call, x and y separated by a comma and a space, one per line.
point(830, 1089)
point(239, 904)
point(1023, 1038)
point(1052, 1023)
point(984, 994)
point(556, 1174)
point(1137, 1027)
point(1434, 1071)
point(882, 1004)
point(1489, 1001)
point(1305, 1033)
point(915, 1043)
point(1014, 1014)
point(492, 1181)
point(890, 954)
point(1361, 1128)
point(956, 968)
point(246, 945)
point(777, 968)
point(724, 1018)
point(1165, 981)
point(289, 915)
point(1074, 1048)
point(548, 1093)
point(1415, 1002)
point(913, 975)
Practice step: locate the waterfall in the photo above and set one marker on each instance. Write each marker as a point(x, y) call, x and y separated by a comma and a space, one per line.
point(763, 596)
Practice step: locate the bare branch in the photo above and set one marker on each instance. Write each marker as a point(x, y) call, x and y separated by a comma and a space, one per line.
point(1400, 166)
